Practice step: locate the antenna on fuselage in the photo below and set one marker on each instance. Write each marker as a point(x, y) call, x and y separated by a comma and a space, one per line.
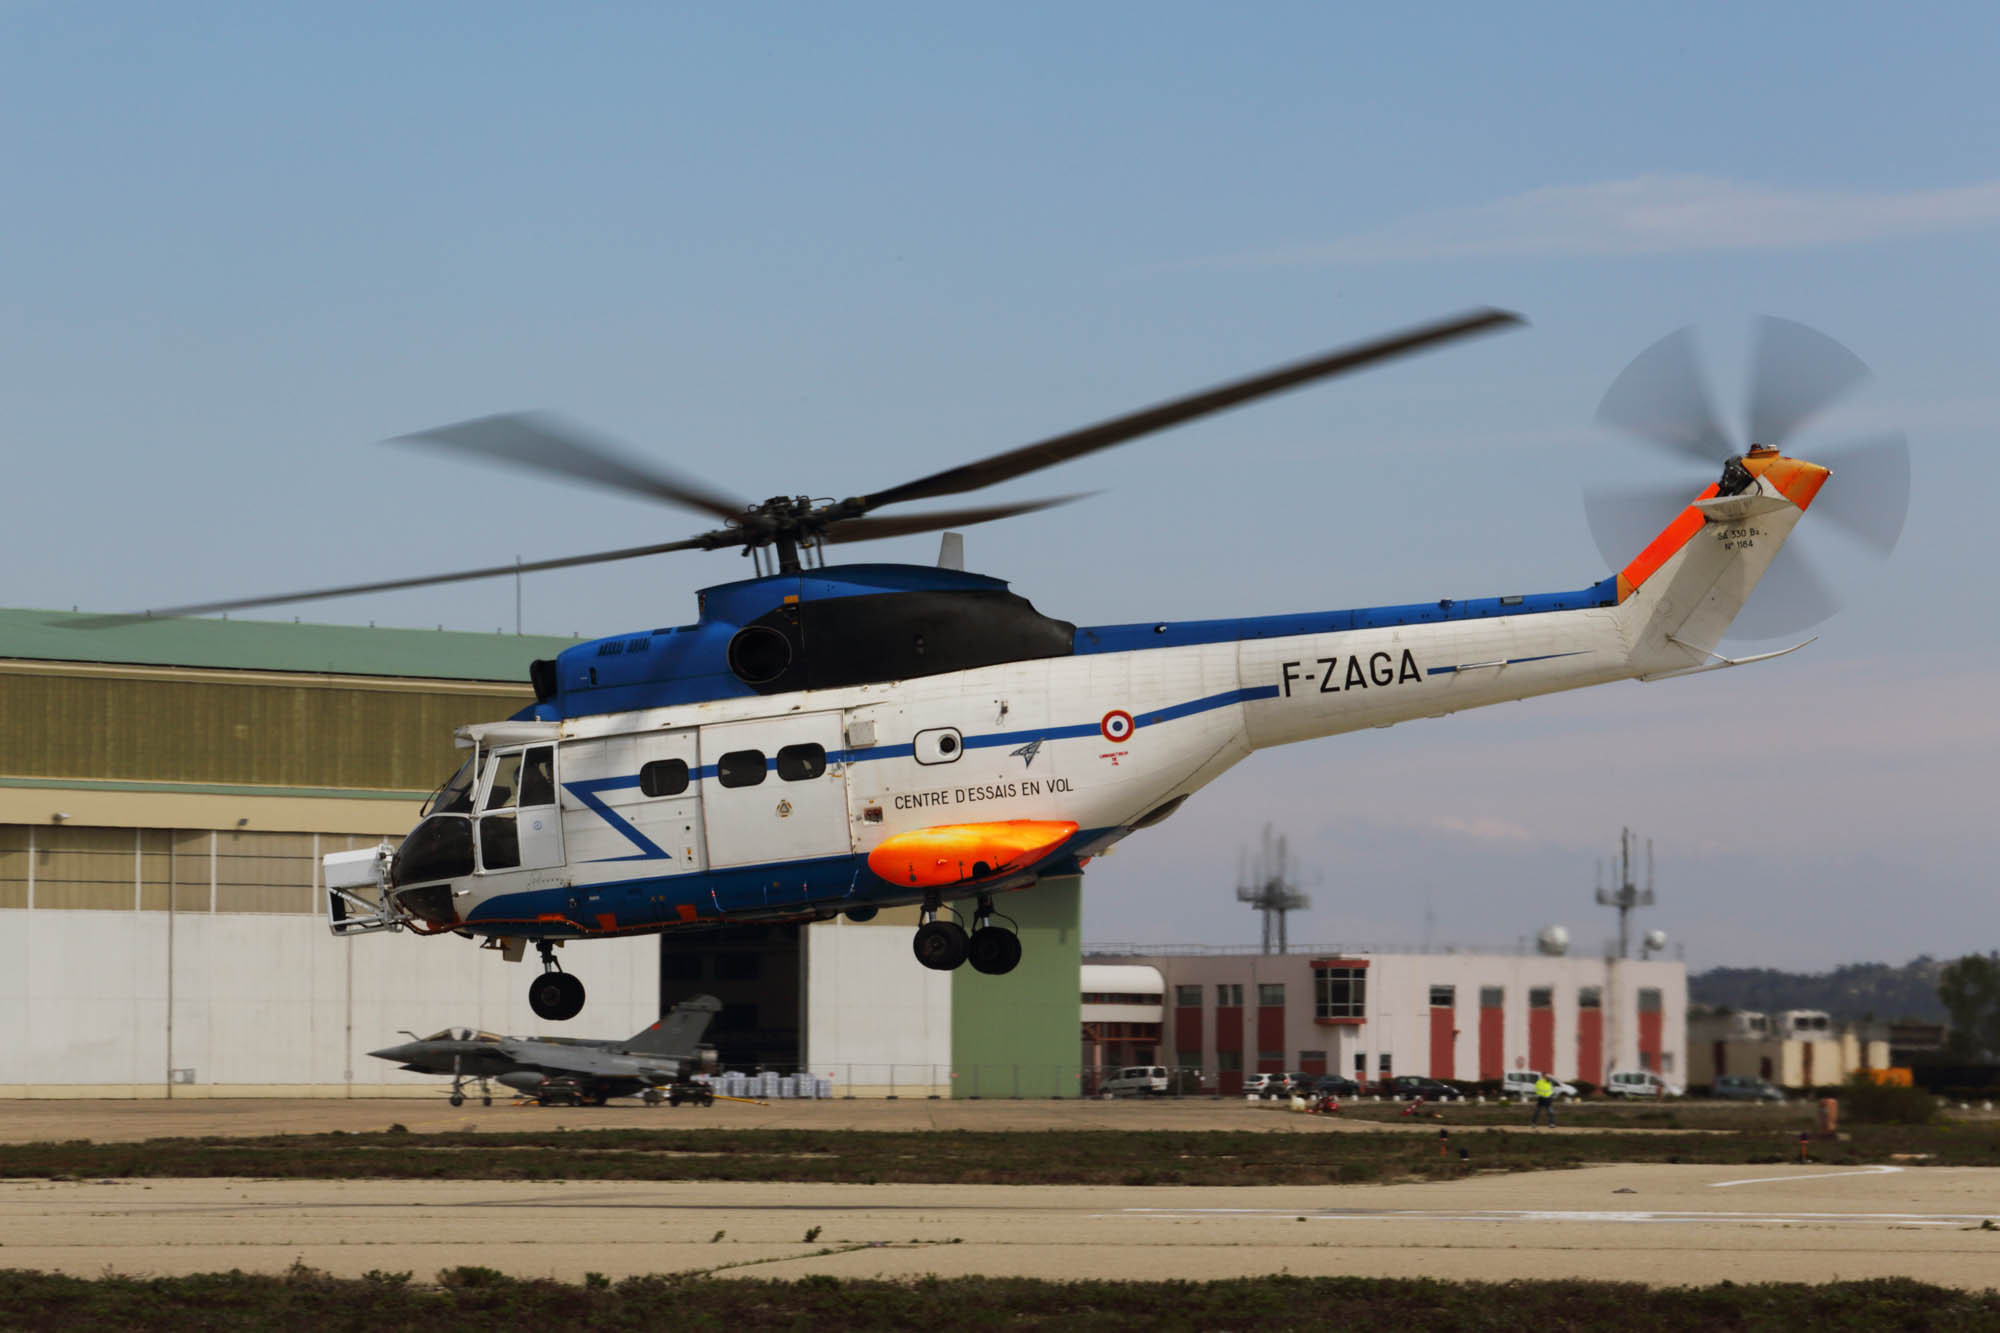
point(951, 551)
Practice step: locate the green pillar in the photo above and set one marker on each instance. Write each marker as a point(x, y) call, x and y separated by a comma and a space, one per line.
point(1022, 1034)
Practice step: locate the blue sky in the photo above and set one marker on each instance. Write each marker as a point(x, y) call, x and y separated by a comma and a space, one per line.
point(823, 249)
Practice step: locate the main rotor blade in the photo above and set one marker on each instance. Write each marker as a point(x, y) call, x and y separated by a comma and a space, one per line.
point(543, 443)
point(1795, 372)
point(1061, 448)
point(1791, 597)
point(708, 542)
point(868, 529)
point(1868, 495)
point(1662, 398)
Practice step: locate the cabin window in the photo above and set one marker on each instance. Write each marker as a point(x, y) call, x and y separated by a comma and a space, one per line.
point(664, 777)
point(801, 763)
point(740, 768)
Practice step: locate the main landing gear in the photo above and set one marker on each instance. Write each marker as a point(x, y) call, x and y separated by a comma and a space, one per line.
point(942, 945)
point(554, 995)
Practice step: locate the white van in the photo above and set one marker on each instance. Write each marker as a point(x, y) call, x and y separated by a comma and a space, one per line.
point(1137, 1081)
point(1520, 1083)
point(1639, 1083)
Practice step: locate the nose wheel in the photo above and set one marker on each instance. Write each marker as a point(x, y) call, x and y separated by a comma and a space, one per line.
point(555, 995)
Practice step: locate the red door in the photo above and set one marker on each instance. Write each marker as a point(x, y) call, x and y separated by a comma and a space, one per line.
point(1590, 1045)
point(1442, 1041)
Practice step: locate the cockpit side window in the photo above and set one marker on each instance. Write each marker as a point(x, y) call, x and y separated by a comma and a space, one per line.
point(505, 782)
point(538, 776)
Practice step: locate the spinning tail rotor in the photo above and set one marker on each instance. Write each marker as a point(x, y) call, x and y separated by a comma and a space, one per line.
point(1662, 400)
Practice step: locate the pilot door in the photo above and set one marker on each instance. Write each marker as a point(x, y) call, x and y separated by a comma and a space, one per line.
point(519, 827)
point(774, 790)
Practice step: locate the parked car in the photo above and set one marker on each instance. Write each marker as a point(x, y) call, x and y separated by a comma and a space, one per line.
point(1137, 1081)
point(1746, 1088)
point(1298, 1085)
point(1334, 1085)
point(1520, 1083)
point(1639, 1083)
point(1263, 1085)
point(1407, 1087)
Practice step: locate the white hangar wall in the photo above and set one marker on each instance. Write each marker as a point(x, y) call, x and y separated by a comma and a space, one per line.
point(110, 1004)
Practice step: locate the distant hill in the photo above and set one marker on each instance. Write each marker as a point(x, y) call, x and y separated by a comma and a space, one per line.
point(1851, 993)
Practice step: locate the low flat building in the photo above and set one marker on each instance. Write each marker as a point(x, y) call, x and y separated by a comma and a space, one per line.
point(1370, 1016)
point(1798, 1048)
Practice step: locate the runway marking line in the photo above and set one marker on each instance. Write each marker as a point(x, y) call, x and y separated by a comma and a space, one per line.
point(1559, 1215)
point(1818, 1175)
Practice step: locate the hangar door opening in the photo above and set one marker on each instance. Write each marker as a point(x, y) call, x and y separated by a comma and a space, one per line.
point(758, 972)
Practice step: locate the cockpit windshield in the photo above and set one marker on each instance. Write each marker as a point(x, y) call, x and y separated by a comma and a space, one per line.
point(461, 1034)
point(455, 797)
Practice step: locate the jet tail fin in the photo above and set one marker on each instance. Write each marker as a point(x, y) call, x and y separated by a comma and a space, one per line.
point(679, 1033)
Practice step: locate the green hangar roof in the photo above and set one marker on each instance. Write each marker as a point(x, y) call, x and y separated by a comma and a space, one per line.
point(264, 645)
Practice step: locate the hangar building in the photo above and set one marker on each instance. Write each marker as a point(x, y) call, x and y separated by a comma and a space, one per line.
point(167, 789)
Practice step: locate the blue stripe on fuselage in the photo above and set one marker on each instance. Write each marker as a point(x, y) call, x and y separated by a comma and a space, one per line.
point(1179, 634)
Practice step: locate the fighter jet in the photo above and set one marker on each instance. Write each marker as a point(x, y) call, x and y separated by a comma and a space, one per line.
point(571, 1069)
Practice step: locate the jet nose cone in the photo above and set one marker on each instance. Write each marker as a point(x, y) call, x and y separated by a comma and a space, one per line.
point(399, 1054)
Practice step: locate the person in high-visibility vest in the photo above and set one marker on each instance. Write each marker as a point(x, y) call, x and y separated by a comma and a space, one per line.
point(1545, 1102)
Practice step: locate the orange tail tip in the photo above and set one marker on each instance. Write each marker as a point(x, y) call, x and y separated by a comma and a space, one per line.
point(948, 854)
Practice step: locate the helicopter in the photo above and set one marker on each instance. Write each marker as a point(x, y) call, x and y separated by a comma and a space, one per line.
point(830, 739)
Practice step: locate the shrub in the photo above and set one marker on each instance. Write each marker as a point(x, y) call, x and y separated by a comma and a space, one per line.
point(1867, 1102)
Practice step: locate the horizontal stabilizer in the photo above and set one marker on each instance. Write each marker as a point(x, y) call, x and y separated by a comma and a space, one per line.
point(949, 854)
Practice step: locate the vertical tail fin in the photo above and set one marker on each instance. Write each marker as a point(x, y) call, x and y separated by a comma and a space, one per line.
point(1679, 596)
point(679, 1033)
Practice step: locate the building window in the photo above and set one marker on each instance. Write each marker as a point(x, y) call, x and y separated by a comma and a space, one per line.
point(1271, 996)
point(1229, 1062)
point(1444, 997)
point(1190, 1060)
point(1271, 1057)
point(1229, 995)
point(1118, 997)
point(664, 777)
point(1649, 1001)
point(801, 763)
point(740, 768)
point(1541, 997)
point(1340, 992)
point(1589, 997)
point(1188, 997)
point(1312, 1057)
point(1492, 997)
point(1382, 1064)
point(1360, 1066)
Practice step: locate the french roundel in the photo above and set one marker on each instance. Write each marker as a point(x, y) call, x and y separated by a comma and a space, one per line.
point(1117, 725)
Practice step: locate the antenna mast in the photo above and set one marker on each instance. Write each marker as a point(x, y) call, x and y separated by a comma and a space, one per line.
point(1627, 895)
point(1266, 887)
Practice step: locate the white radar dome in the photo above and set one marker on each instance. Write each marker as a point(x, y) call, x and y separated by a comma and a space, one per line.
point(1553, 940)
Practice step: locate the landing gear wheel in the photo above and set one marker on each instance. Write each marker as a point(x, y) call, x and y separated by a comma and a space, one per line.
point(458, 1099)
point(487, 1100)
point(993, 950)
point(650, 1096)
point(556, 996)
point(939, 945)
